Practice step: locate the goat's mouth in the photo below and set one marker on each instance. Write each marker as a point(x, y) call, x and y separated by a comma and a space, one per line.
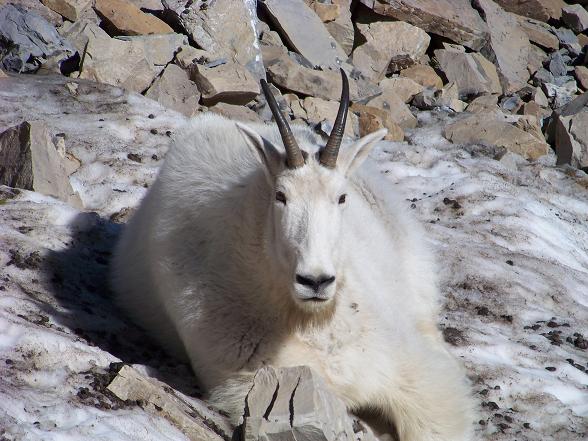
point(316, 299)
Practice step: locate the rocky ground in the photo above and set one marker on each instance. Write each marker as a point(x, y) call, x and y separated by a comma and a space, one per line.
point(487, 142)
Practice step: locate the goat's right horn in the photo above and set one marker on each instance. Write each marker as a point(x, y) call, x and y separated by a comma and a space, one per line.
point(293, 153)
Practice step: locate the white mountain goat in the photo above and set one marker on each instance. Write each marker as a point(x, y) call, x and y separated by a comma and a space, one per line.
point(255, 247)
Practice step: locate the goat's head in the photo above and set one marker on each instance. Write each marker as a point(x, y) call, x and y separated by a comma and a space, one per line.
point(309, 196)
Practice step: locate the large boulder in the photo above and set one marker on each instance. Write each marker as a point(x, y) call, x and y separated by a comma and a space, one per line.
point(538, 9)
point(122, 17)
point(70, 9)
point(452, 19)
point(228, 83)
point(173, 89)
point(389, 45)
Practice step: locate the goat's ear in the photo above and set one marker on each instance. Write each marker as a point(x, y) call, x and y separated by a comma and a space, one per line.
point(264, 149)
point(354, 154)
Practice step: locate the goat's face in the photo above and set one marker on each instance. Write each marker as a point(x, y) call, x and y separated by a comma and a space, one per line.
point(305, 215)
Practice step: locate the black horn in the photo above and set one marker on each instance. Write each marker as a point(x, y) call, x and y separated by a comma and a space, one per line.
point(328, 156)
point(293, 153)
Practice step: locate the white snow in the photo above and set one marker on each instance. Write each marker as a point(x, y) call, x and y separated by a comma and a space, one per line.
point(512, 241)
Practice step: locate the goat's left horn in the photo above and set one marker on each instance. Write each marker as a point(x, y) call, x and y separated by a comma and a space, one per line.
point(328, 156)
point(293, 153)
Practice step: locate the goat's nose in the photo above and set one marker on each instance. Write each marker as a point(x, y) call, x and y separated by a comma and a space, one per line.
point(316, 283)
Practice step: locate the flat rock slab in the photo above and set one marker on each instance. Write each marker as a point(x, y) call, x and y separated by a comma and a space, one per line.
point(29, 160)
point(390, 45)
point(491, 129)
point(70, 9)
point(508, 46)
point(225, 28)
point(539, 33)
point(542, 10)
point(472, 72)
point(28, 41)
point(122, 17)
point(295, 404)
point(453, 19)
point(303, 30)
point(228, 83)
point(571, 139)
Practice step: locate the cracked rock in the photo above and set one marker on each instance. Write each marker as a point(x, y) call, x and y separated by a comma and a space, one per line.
point(295, 404)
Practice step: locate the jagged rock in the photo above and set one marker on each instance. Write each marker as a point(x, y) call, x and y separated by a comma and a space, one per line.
point(531, 125)
point(303, 30)
point(404, 87)
point(290, 75)
point(239, 113)
point(541, 10)
point(225, 28)
point(28, 41)
point(132, 62)
point(173, 89)
point(124, 18)
point(491, 129)
point(568, 40)
point(508, 46)
point(29, 160)
point(542, 76)
point(372, 119)
point(423, 75)
point(341, 29)
point(150, 5)
point(228, 83)
point(318, 110)
point(38, 8)
point(537, 58)
point(511, 104)
point(325, 11)
point(447, 97)
point(394, 105)
point(576, 17)
point(295, 403)
point(533, 108)
point(560, 95)
point(582, 39)
point(70, 9)
point(558, 64)
point(530, 93)
point(571, 139)
point(581, 74)
point(188, 56)
point(472, 72)
point(484, 104)
point(539, 33)
point(453, 19)
point(390, 45)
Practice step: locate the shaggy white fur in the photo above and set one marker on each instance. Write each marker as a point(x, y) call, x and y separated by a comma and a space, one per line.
point(211, 265)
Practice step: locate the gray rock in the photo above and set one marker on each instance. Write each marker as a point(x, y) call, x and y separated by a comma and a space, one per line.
point(295, 404)
point(28, 41)
point(576, 17)
point(453, 19)
point(568, 40)
point(557, 64)
point(511, 104)
point(303, 30)
point(389, 46)
point(508, 46)
point(38, 8)
point(225, 28)
point(173, 89)
point(543, 76)
point(29, 160)
point(472, 72)
point(560, 95)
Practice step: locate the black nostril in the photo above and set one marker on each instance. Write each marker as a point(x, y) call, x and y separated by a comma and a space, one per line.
point(315, 283)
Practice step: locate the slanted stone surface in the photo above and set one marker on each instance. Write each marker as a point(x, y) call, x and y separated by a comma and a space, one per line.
point(541, 10)
point(295, 404)
point(290, 75)
point(424, 75)
point(390, 45)
point(484, 104)
point(491, 129)
point(228, 83)
point(303, 30)
point(571, 139)
point(28, 41)
point(508, 46)
point(318, 110)
point(404, 87)
point(38, 8)
point(341, 29)
point(453, 19)
point(124, 18)
point(173, 89)
point(29, 160)
point(70, 9)
point(394, 105)
point(539, 33)
point(132, 63)
point(239, 113)
point(472, 72)
point(372, 119)
point(225, 28)
point(581, 73)
point(576, 17)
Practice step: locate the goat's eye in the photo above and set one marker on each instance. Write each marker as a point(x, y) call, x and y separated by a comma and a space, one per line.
point(342, 198)
point(281, 197)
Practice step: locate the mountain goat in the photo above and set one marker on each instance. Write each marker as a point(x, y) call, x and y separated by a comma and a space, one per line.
point(256, 246)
